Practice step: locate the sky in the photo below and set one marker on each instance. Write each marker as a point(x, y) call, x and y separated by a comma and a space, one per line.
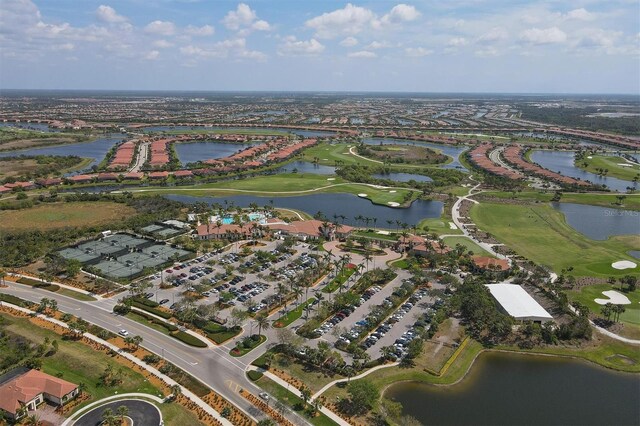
point(509, 46)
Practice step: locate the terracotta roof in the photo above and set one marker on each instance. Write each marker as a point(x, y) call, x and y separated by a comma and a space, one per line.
point(27, 386)
point(485, 262)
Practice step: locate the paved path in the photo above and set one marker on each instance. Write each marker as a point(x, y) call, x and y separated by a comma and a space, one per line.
point(142, 413)
point(135, 395)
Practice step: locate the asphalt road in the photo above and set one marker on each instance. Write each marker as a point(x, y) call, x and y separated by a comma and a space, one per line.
point(213, 366)
point(142, 413)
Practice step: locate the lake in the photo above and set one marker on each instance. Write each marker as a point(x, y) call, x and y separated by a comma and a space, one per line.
point(563, 162)
point(191, 152)
point(452, 151)
point(303, 133)
point(600, 223)
point(330, 204)
point(512, 389)
point(306, 167)
point(403, 177)
point(96, 150)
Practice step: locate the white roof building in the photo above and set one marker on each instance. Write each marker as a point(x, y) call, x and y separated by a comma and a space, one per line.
point(518, 303)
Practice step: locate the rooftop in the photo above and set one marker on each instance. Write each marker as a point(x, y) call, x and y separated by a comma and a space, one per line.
point(517, 302)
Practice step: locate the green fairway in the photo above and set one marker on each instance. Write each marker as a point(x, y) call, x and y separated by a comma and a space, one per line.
point(290, 184)
point(541, 234)
point(631, 202)
point(587, 295)
point(438, 225)
point(617, 167)
point(467, 243)
point(328, 154)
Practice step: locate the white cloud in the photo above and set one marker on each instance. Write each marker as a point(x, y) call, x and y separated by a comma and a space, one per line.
point(495, 34)
point(349, 42)
point(543, 35)
point(165, 28)
point(457, 42)
point(64, 46)
point(417, 52)
point(236, 47)
point(205, 30)
point(400, 13)
point(292, 47)
point(152, 55)
point(362, 54)
point(378, 45)
point(109, 15)
point(581, 14)
point(162, 44)
point(487, 52)
point(244, 19)
point(348, 20)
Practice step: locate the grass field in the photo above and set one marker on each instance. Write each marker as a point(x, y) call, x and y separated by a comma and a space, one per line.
point(541, 234)
point(631, 202)
point(79, 363)
point(289, 184)
point(438, 225)
point(466, 242)
point(610, 163)
point(62, 215)
point(587, 295)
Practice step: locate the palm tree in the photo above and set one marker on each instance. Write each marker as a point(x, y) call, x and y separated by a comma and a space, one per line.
point(2, 275)
point(123, 411)
point(263, 322)
point(176, 390)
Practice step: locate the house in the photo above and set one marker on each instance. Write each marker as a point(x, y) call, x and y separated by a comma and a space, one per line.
point(484, 263)
point(214, 231)
point(311, 229)
point(31, 388)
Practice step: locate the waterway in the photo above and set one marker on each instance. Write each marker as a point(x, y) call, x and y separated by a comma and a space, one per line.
point(563, 162)
point(191, 152)
point(599, 223)
point(303, 133)
point(96, 150)
point(306, 167)
point(403, 177)
point(346, 205)
point(450, 150)
point(512, 389)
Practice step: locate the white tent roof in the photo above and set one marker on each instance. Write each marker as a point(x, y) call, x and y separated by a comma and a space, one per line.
point(518, 303)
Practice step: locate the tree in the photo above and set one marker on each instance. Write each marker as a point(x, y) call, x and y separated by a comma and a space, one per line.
point(305, 393)
point(363, 394)
point(109, 418)
point(123, 411)
point(73, 267)
point(263, 323)
point(607, 310)
point(176, 391)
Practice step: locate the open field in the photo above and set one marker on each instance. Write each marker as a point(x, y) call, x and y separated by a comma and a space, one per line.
point(540, 233)
point(467, 243)
point(291, 184)
point(79, 363)
point(610, 163)
point(61, 215)
point(12, 138)
point(23, 166)
point(631, 202)
point(586, 295)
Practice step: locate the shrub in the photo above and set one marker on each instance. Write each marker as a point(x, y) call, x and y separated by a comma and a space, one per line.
point(189, 339)
point(254, 375)
point(121, 309)
point(151, 359)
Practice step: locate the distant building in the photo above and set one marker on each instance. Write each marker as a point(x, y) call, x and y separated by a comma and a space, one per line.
point(519, 304)
point(485, 263)
point(30, 389)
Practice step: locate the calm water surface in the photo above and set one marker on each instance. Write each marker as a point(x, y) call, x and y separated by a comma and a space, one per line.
point(563, 162)
point(600, 223)
point(330, 204)
point(191, 152)
point(509, 389)
point(402, 177)
point(306, 167)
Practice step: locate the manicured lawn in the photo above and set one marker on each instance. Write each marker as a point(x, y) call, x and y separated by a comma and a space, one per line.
point(62, 215)
point(586, 295)
point(466, 242)
point(632, 202)
point(79, 363)
point(76, 295)
point(291, 400)
point(610, 163)
point(328, 154)
point(438, 225)
point(541, 234)
point(292, 315)
point(340, 279)
point(245, 350)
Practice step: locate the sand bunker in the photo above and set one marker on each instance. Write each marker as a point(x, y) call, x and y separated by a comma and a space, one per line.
point(362, 195)
point(613, 297)
point(393, 204)
point(392, 192)
point(331, 178)
point(623, 264)
point(452, 225)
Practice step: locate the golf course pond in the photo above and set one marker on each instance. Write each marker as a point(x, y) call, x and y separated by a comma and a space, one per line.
point(515, 389)
point(346, 205)
point(599, 223)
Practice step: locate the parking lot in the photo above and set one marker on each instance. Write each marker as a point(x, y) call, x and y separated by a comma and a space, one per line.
point(248, 281)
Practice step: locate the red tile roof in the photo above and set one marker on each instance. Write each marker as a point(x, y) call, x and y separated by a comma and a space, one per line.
point(27, 386)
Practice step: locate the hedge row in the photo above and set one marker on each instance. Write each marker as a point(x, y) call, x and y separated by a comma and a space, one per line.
point(39, 284)
point(156, 321)
point(254, 375)
point(189, 339)
point(158, 312)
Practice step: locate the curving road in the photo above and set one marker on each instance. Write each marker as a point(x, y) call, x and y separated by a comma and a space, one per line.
point(142, 413)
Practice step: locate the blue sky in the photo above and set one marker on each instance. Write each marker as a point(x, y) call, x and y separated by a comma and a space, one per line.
point(426, 46)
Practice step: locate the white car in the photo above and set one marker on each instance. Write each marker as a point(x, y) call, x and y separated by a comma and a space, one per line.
point(123, 332)
point(264, 396)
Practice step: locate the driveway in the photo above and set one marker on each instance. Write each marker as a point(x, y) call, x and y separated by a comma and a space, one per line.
point(142, 413)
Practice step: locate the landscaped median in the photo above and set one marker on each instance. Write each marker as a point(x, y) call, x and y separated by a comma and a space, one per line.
point(247, 344)
point(166, 328)
point(342, 277)
point(55, 289)
point(292, 315)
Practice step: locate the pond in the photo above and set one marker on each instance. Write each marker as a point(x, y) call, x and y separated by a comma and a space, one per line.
point(96, 150)
point(306, 167)
point(346, 205)
point(303, 133)
point(403, 177)
point(600, 223)
point(450, 150)
point(191, 152)
point(510, 389)
point(563, 162)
